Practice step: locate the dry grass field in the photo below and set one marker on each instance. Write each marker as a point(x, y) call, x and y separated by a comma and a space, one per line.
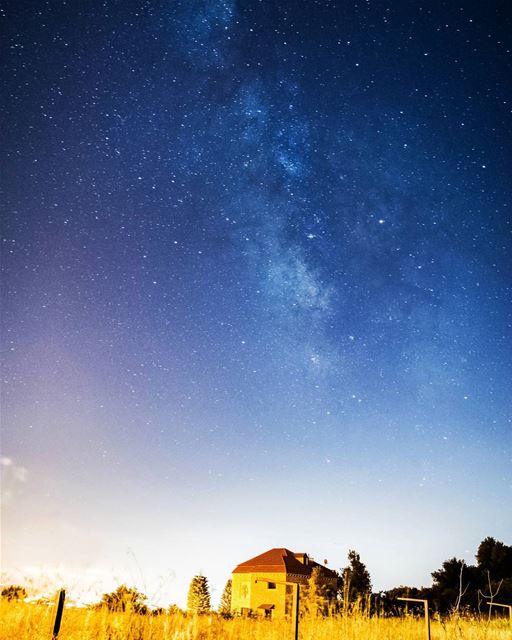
point(23, 621)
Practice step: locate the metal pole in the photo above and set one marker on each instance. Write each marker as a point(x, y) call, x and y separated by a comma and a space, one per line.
point(505, 606)
point(296, 611)
point(59, 608)
point(427, 620)
point(427, 615)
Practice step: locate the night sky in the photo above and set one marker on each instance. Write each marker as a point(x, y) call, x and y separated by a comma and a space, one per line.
point(256, 286)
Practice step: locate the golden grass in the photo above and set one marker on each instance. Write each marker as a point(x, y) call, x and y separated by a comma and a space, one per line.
point(23, 621)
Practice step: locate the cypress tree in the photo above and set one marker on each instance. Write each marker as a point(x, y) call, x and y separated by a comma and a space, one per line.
point(314, 599)
point(198, 600)
point(225, 601)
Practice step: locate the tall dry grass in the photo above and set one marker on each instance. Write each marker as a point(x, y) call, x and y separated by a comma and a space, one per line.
point(24, 621)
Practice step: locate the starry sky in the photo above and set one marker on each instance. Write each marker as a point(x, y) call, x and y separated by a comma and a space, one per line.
point(256, 286)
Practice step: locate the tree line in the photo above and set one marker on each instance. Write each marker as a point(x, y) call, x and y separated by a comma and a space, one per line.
point(460, 587)
point(456, 588)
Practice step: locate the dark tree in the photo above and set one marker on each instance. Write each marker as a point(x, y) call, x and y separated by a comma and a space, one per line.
point(387, 603)
point(14, 592)
point(495, 557)
point(125, 599)
point(445, 585)
point(355, 582)
point(495, 565)
point(455, 586)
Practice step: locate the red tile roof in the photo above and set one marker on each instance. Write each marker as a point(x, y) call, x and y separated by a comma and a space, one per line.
point(273, 561)
point(280, 560)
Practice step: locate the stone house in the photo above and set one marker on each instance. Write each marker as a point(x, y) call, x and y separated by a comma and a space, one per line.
point(259, 584)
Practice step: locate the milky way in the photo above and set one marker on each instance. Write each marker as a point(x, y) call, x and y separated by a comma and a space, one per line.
point(256, 265)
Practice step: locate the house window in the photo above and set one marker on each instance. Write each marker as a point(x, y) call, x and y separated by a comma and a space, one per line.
point(271, 585)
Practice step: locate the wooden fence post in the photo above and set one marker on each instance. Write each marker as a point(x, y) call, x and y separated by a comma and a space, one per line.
point(59, 608)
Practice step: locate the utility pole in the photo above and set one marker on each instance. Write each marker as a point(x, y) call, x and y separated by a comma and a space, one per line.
point(295, 617)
